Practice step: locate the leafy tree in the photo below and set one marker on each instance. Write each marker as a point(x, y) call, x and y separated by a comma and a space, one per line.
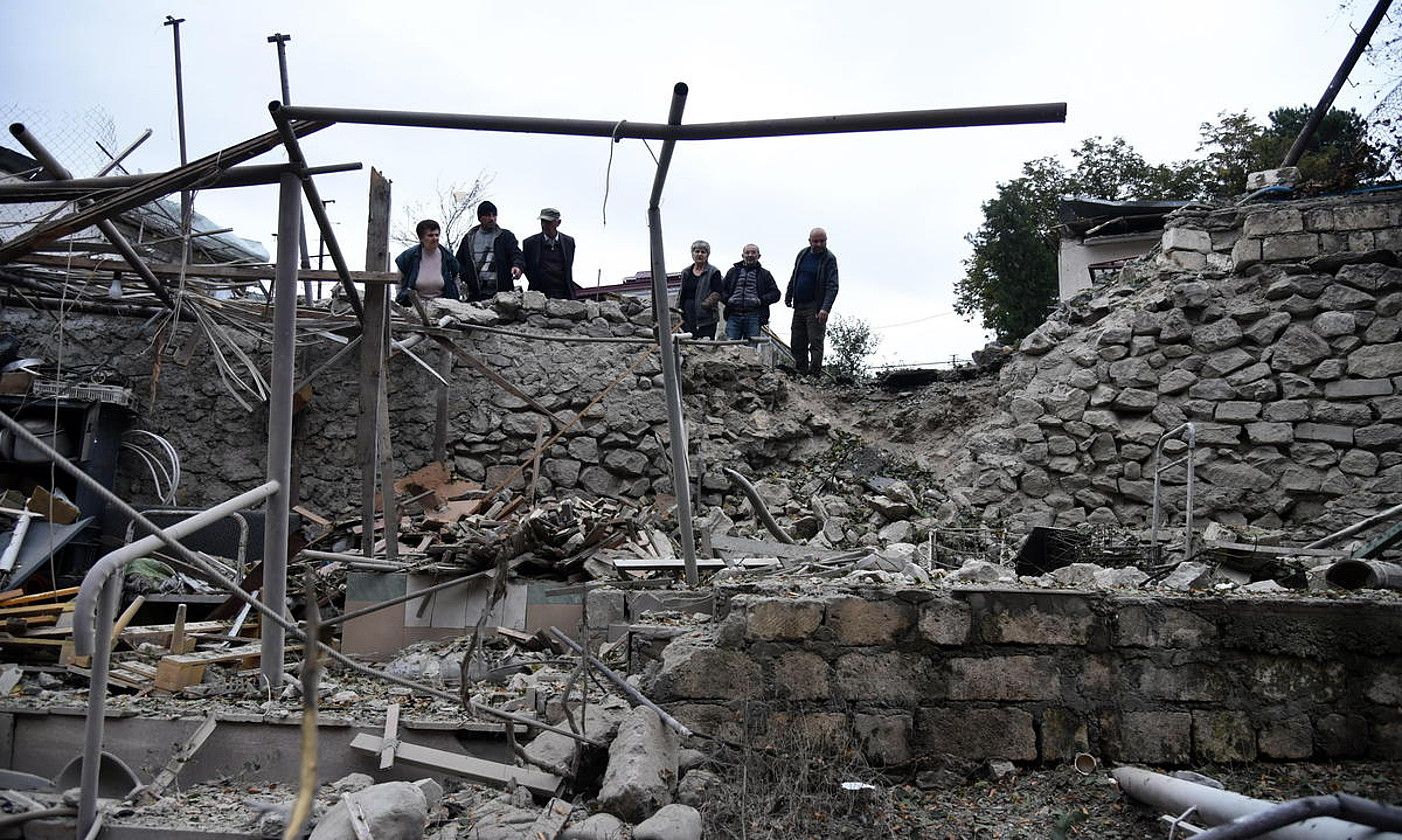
point(850, 342)
point(1010, 280)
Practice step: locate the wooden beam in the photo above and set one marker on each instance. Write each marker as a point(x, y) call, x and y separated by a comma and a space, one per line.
point(37, 597)
point(178, 670)
point(477, 769)
point(390, 740)
point(658, 564)
point(366, 436)
point(233, 273)
point(377, 225)
point(766, 548)
point(177, 632)
point(384, 446)
point(182, 755)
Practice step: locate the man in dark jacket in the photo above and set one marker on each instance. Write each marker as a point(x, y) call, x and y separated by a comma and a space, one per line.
point(748, 288)
point(489, 256)
point(427, 269)
point(811, 292)
point(549, 258)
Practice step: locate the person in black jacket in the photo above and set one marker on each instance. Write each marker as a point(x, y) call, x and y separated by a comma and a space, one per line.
point(701, 291)
point(748, 288)
point(549, 258)
point(811, 292)
point(486, 253)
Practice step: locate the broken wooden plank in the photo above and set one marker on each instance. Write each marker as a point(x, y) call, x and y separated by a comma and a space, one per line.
point(35, 609)
point(657, 564)
point(36, 597)
point(1274, 550)
point(390, 740)
point(178, 670)
point(477, 769)
point(182, 755)
point(547, 826)
point(177, 632)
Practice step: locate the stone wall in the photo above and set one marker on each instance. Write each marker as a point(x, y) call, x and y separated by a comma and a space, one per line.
point(1262, 326)
point(619, 449)
point(1029, 676)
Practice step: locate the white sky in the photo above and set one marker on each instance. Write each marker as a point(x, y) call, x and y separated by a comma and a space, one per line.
point(896, 205)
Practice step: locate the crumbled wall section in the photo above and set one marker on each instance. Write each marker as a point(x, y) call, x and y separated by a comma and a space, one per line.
point(1041, 676)
point(618, 450)
point(1274, 329)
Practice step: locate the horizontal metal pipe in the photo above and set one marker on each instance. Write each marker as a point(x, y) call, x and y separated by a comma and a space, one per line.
point(1045, 112)
point(238, 176)
point(1215, 807)
point(1361, 525)
point(1364, 574)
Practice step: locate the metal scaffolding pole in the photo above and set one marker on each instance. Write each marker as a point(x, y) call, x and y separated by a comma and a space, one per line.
point(281, 41)
point(676, 430)
point(239, 176)
point(333, 246)
point(843, 124)
point(60, 172)
point(280, 422)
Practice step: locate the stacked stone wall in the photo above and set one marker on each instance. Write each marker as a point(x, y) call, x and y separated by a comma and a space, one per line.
point(912, 675)
point(618, 449)
point(1287, 360)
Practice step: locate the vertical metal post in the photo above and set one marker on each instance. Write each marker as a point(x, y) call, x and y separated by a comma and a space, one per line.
point(280, 423)
point(1297, 150)
point(97, 702)
point(174, 24)
point(281, 41)
point(676, 429)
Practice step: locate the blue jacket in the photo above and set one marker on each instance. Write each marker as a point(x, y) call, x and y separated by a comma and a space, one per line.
point(408, 264)
point(826, 292)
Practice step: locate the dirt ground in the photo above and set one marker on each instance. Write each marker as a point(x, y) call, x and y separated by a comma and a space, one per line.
point(1029, 804)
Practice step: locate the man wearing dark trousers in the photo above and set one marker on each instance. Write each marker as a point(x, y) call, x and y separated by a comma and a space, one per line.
point(811, 292)
point(550, 258)
point(489, 256)
point(747, 290)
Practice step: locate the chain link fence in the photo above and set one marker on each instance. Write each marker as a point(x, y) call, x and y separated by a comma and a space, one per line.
point(72, 137)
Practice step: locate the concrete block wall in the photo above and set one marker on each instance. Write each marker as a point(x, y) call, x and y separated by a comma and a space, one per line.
point(1037, 676)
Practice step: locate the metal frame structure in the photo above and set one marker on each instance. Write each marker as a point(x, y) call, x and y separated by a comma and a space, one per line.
point(669, 133)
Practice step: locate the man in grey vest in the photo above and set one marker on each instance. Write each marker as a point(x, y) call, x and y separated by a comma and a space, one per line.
point(490, 258)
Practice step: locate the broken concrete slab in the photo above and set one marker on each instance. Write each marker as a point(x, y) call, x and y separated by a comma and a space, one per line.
point(642, 768)
point(672, 822)
point(388, 811)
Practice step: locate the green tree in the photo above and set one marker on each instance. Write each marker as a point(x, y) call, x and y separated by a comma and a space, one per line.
point(850, 343)
point(1010, 280)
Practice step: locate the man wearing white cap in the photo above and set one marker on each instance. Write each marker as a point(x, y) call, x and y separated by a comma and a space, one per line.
point(550, 258)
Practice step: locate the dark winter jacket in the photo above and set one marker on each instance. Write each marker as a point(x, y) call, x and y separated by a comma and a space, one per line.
point(535, 277)
point(692, 300)
point(826, 291)
point(408, 264)
point(505, 254)
point(746, 294)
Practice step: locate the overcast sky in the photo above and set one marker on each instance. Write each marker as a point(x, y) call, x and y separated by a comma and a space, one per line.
point(896, 206)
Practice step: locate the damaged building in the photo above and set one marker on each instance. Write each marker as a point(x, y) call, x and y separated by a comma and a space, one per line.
point(530, 567)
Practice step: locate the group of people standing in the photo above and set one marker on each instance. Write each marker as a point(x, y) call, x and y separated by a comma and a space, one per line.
point(748, 289)
point(488, 260)
point(487, 256)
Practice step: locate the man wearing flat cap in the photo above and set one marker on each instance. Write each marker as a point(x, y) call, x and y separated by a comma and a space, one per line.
point(550, 258)
point(489, 256)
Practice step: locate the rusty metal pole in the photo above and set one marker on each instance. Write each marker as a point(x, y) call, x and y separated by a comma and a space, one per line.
point(676, 423)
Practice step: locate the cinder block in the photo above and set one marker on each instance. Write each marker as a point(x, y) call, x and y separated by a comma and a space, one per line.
point(1064, 734)
point(799, 675)
point(976, 734)
point(1290, 246)
point(860, 621)
point(782, 619)
point(1015, 618)
point(1004, 678)
point(1273, 221)
point(1154, 737)
point(1290, 738)
point(885, 677)
point(1160, 626)
point(1361, 216)
point(945, 621)
point(1223, 736)
point(884, 739)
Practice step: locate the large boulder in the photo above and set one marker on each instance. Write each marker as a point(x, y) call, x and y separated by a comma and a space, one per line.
point(642, 768)
point(674, 822)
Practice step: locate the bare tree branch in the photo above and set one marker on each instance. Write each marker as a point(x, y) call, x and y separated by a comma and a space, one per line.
point(452, 207)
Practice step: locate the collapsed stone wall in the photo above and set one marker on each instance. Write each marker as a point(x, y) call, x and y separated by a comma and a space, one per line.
point(915, 674)
point(1274, 329)
point(618, 449)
